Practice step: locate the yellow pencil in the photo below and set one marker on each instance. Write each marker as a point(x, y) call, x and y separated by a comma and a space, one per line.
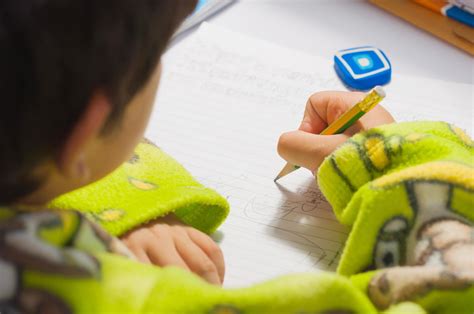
point(345, 121)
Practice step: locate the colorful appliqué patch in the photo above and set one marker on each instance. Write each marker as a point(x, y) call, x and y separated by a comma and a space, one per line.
point(109, 215)
point(142, 185)
point(52, 243)
point(376, 152)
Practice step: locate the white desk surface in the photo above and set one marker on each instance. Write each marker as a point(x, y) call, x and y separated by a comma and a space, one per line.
point(321, 27)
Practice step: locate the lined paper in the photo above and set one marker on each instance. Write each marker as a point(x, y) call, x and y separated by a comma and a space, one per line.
point(222, 104)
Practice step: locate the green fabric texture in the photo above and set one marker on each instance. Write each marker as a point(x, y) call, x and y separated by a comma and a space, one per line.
point(406, 308)
point(67, 264)
point(150, 185)
point(448, 301)
point(361, 281)
point(383, 150)
point(400, 187)
point(173, 290)
point(394, 154)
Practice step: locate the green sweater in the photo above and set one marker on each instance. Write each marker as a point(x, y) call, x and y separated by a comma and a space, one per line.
point(406, 190)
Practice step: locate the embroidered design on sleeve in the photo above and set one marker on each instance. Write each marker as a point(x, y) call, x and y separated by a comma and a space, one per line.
point(374, 151)
point(390, 248)
point(51, 243)
point(142, 185)
point(435, 250)
point(109, 215)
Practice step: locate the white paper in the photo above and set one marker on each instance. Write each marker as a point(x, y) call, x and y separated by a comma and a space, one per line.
point(223, 102)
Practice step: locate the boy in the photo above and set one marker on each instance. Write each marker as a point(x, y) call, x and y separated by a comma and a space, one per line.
point(78, 83)
point(55, 56)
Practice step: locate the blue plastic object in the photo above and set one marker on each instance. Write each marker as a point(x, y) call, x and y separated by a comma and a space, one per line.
point(363, 68)
point(459, 15)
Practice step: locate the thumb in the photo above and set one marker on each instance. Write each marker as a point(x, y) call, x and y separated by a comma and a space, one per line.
point(308, 150)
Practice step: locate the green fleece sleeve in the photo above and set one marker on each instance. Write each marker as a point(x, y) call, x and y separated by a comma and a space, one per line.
point(59, 262)
point(150, 185)
point(129, 287)
point(407, 191)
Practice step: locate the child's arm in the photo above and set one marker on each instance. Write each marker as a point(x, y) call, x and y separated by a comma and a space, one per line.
point(152, 202)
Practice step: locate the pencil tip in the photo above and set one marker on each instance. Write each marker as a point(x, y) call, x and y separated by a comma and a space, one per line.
point(275, 180)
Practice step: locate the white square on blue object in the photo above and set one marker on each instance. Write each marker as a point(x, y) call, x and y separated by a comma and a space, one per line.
point(363, 68)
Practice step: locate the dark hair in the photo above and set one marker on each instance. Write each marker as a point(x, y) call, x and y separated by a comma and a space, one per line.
point(54, 54)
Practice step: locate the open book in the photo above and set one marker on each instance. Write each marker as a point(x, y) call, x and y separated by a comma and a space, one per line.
point(224, 100)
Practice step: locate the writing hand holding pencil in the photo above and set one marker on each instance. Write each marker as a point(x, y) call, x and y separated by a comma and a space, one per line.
point(329, 113)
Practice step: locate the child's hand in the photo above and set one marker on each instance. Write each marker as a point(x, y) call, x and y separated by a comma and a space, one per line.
point(307, 149)
point(168, 242)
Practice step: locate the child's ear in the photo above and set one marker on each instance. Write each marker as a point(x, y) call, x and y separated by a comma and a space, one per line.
point(72, 158)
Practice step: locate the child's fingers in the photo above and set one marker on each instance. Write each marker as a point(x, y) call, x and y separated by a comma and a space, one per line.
point(308, 150)
point(134, 242)
point(148, 247)
point(196, 259)
point(167, 242)
point(161, 249)
point(305, 148)
point(142, 257)
point(324, 107)
point(139, 252)
point(211, 249)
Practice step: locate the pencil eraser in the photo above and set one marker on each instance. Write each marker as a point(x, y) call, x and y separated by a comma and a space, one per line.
point(363, 68)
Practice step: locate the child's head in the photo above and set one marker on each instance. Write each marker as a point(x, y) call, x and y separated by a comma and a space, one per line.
point(77, 83)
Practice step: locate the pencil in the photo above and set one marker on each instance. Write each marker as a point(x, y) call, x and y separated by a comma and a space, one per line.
point(345, 121)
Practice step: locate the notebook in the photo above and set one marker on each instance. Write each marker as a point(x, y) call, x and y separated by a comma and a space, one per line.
point(224, 100)
point(204, 9)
